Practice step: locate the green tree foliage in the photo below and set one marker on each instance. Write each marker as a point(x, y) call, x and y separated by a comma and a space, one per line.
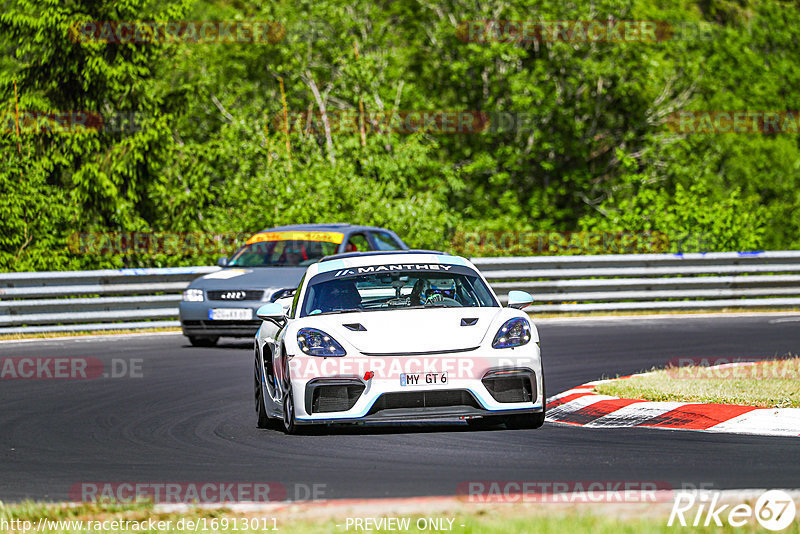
point(690, 218)
point(35, 217)
point(194, 136)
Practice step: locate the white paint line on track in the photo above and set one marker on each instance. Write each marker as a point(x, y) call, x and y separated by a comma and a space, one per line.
point(90, 337)
point(785, 320)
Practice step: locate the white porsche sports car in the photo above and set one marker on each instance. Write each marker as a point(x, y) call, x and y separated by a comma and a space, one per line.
point(398, 336)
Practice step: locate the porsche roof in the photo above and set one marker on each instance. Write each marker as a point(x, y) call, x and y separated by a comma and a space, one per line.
point(345, 261)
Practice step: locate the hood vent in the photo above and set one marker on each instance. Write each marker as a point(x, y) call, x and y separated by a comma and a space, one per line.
point(355, 327)
point(472, 321)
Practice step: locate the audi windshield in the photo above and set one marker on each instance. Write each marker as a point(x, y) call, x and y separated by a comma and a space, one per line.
point(286, 249)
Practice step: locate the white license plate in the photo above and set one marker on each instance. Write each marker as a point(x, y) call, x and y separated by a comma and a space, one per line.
point(423, 379)
point(230, 314)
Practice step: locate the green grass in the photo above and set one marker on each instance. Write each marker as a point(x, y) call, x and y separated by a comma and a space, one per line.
point(770, 384)
point(496, 519)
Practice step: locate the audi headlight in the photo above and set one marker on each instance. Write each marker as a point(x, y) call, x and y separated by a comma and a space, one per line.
point(317, 343)
point(193, 295)
point(514, 333)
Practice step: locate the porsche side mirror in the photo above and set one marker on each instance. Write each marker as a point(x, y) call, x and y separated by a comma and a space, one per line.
point(271, 312)
point(223, 261)
point(519, 299)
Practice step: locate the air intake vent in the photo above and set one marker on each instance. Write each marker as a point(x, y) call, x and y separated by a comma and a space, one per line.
point(511, 387)
point(424, 399)
point(469, 322)
point(324, 396)
point(355, 327)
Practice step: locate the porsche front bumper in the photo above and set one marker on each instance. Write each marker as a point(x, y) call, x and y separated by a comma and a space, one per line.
point(479, 383)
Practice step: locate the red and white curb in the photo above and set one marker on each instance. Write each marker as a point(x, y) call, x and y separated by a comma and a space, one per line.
point(581, 406)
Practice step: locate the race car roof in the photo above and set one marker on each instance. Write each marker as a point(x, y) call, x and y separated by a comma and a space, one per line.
point(333, 227)
point(345, 261)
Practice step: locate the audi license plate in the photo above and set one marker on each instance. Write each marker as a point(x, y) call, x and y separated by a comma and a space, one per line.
point(423, 379)
point(230, 314)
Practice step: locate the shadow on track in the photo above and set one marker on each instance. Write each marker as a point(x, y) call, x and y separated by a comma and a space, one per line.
point(376, 429)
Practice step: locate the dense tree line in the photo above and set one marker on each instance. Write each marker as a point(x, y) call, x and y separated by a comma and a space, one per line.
point(317, 123)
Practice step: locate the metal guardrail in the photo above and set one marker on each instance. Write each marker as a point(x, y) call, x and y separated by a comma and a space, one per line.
point(614, 282)
point(63, 301)
point(148, 298)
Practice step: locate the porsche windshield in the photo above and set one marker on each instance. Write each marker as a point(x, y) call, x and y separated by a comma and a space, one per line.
point(286, 249)
point(437, 286)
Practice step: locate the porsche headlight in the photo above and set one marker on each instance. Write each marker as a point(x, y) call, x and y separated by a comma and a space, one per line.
point(317, 343)
point(514, 333)
point(193, 295)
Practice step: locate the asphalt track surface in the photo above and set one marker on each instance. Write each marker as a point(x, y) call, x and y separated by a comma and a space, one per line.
point(190, 418)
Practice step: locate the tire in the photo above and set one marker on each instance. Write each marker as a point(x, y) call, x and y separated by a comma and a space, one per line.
point(203, 341)
point(264, 420)
point(289, 422)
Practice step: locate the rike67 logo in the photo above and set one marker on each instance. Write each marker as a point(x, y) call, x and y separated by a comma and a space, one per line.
point(774, 510)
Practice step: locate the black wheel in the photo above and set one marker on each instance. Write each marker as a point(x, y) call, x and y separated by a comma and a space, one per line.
point(289, 422)
point(258, 392)
point(203, 341)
